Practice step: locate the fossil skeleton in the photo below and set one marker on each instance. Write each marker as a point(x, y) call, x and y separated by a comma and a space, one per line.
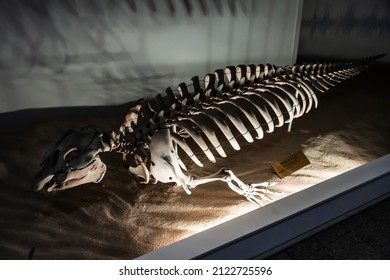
point(246, 100)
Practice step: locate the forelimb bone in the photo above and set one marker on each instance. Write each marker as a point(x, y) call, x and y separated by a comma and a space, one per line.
point(255, 193)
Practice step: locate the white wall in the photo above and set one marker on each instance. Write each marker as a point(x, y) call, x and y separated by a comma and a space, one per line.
point(69, 53)
point(345, 29)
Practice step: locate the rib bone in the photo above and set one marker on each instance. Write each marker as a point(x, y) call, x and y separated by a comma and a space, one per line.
point(240, 99)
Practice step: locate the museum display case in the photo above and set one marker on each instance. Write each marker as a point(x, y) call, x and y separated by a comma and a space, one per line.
point(68, 65)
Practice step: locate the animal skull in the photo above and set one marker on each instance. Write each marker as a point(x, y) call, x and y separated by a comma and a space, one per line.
point(247, 99)
point(74, 160)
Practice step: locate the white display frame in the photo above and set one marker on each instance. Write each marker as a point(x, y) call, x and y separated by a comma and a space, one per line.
point(276, 226)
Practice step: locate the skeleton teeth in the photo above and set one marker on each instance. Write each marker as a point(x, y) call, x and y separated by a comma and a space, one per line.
point(240, 99)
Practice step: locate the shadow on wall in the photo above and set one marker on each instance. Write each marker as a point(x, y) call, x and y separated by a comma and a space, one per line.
point(63, 32)
point(59, 33)
point(345, 29)
point(67, 53)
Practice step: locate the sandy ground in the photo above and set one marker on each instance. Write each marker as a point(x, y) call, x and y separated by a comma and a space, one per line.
point(119, 219)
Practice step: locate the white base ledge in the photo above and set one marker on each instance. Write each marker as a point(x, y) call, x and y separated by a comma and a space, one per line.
point(276, 226)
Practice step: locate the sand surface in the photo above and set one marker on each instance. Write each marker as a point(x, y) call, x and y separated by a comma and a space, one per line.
point(120, 219)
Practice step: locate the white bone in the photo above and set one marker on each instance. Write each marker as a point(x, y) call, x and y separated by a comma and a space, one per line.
point(235, 119)
point(208, 131)
point(182, 165)
point(320, 82)
point(245, 96)
point(131, 116)
point(186, 125)
point(223, 126)
point(326, 80)
point(249, 115)
point(166, 169)
point(302, 84)
point(285, 102)
point(274, 106)
point(309, 85)
point(299, 111)
point(181, 142)
point(250, 95)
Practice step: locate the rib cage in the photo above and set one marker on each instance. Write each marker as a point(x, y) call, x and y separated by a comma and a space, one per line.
point(238, 100)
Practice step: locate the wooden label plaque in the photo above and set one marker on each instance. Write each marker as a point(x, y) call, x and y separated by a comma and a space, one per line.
point(290, 164)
